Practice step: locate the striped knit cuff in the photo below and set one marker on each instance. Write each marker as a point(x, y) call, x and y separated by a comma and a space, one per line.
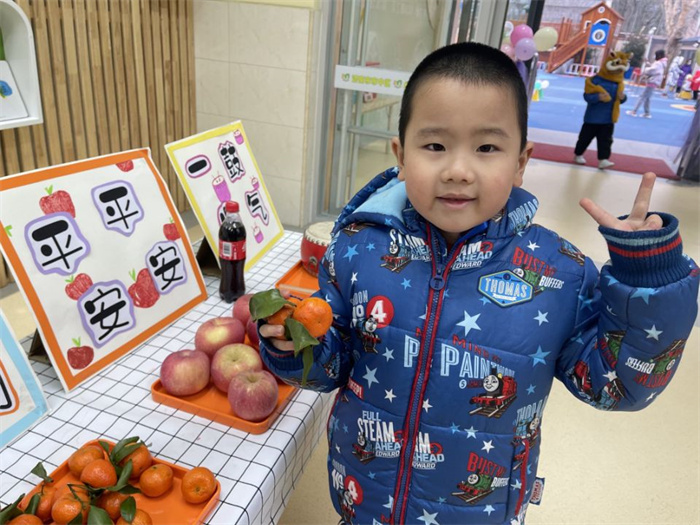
point(650, 258)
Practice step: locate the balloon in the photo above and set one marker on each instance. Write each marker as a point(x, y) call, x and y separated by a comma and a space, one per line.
point(538, 85)
point(697, 56)
point(545, 84)
point(525, 49)
point(545, 38)
point(521, 31)
point(508, 50)
point(507, 28)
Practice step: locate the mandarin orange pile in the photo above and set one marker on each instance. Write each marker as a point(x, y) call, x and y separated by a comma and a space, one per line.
point(99, 471)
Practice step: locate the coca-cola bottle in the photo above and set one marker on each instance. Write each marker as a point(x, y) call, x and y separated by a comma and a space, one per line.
point(232, 254)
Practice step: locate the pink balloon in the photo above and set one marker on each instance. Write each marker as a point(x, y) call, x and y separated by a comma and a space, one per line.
point(521, 31)
point(525, 49)
point(508, 50)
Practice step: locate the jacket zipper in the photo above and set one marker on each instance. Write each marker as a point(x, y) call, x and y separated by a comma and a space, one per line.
point(523, 476)
point(437, 284)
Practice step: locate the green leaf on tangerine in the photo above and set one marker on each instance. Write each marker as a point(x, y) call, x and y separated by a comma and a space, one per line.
point(128, 509)
point(299, 335)
point(264, 304)
point(307, 357)
point(11, 511)
point(40, 471)
point(33, 504)
point(98, 516)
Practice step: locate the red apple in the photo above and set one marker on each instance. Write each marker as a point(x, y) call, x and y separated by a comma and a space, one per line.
point(125, 166)
point(79, 356)
point(230, 360)
point(252, 330)
point(78, 285)
point(143, 291)
point(241, 308)
point(253, 395)
point(170, 231)
point(55, 202)
point(215, 333)
point(185, 372)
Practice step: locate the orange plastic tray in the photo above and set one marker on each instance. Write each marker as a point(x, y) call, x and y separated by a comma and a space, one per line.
point(164, 510)
point(212, 403)
point(298, 281)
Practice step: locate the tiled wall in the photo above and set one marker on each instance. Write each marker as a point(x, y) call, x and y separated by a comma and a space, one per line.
point(252, 62)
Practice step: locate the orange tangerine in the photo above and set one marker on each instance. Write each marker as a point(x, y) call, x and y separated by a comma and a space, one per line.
point(67, 508)
point(141, 517)
point(46, 496)
point(111, 503)
point(26, 519)
point(81, 457)
point(198, 485)
point(315, 314)
point(156, 480)
point(140, 458)
point(99, 474)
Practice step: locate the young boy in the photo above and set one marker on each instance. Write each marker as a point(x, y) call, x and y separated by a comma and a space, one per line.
point(435, 274)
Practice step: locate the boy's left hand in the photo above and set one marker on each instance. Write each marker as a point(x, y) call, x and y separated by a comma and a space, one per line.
point(637, 219)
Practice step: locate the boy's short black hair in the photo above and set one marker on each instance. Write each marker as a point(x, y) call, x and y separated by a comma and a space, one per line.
point(659, 54)
point(471, 63)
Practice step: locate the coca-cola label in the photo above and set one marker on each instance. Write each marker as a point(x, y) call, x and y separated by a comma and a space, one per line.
point(232, 251)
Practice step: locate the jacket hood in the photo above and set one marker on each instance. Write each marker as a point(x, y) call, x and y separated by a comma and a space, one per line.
point(383, 200)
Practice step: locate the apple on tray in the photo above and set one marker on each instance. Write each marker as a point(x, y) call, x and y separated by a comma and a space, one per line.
point(253, 395)
point(185, 372)
point(252, 332)
point(218, 332)
point(233, 359)
point(241, 308)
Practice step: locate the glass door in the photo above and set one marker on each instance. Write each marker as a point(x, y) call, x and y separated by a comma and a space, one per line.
point(377, 45)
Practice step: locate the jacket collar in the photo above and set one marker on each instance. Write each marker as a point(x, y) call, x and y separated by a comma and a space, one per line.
point(383, 201)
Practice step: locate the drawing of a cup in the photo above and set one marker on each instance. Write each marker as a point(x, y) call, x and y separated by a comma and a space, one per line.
point(238, 136)
point(221, 189)
point(257, 233)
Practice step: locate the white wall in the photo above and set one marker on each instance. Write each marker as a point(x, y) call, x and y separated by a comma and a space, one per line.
point(254, 62)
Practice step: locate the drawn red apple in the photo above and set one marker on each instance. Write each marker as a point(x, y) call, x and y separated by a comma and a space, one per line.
point(55, 202)
point(170, 231)
point(143, 291)
point(80, 356)
point(125, 166)
point(78, 285)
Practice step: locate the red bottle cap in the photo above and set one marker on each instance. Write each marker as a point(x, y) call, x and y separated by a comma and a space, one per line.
point(231, 207)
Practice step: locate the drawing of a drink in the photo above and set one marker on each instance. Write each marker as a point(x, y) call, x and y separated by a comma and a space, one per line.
point(221, 188)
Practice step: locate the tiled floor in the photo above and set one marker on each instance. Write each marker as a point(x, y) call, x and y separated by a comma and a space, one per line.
point(600, 468)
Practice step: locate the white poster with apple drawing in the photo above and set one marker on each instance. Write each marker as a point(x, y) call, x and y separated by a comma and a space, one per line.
point(101, 255)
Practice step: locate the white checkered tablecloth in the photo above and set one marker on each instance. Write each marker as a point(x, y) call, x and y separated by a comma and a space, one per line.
point(257, 472)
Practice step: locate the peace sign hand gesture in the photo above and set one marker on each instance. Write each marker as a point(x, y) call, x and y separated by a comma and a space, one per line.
point(637, 219)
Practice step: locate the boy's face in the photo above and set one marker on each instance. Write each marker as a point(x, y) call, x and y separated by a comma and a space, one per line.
point(461, 154)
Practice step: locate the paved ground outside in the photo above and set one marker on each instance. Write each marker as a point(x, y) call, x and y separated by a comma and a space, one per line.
point(561, 108)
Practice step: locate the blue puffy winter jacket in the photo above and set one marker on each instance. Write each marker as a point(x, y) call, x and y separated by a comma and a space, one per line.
point(443, 359)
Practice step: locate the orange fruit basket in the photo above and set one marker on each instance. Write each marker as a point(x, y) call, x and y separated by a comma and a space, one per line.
point(165, 510)
point(212, 403)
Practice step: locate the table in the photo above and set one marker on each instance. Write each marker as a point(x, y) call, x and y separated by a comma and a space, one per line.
point(257, 472)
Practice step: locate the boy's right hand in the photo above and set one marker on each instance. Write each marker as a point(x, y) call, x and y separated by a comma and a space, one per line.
point(272, 332)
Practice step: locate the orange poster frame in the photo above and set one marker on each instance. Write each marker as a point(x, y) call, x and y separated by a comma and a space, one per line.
point(69, 378)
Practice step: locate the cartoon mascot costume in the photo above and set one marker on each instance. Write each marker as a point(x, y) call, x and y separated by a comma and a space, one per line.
point(604, 93)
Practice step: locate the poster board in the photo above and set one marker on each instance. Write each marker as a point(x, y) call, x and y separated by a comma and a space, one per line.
point(101, 256)
point(216, 166)
point(22, 402)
